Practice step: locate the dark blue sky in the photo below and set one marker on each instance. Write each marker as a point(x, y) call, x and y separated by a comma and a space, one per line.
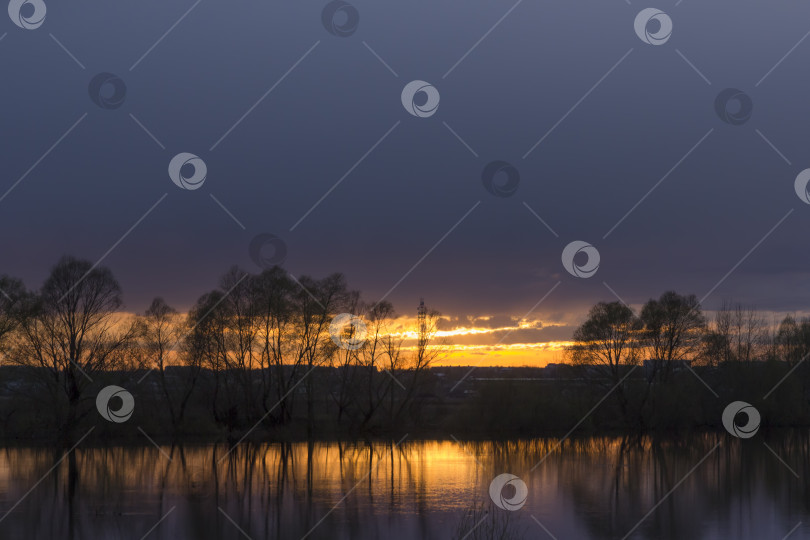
point(329, 111)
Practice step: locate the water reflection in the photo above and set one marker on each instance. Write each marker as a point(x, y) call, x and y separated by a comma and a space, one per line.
point(588, 488)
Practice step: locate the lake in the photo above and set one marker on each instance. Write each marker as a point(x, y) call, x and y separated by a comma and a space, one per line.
point(710, 486)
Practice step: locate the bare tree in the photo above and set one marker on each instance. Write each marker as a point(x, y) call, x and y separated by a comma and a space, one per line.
point(373, 355)
point(72, 332)
point(738, 333)
point(163, 332)
point(607, 342)
point(672, 331)
point(429, 349)
point(12, 299)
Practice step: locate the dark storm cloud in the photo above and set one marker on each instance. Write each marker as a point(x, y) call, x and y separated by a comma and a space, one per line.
point(635, 126)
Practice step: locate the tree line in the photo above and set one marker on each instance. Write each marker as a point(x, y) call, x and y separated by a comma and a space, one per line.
point(258, 356)
point(668, 367)
point(252, 353)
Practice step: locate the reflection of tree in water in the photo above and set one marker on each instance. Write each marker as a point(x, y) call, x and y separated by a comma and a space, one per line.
point(595, 487)
point(486, 522)
point(615, 482)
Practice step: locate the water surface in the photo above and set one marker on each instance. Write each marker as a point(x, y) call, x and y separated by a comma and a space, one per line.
point(706, 487)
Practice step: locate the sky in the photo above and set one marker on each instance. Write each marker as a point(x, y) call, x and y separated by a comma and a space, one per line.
point(612, 140)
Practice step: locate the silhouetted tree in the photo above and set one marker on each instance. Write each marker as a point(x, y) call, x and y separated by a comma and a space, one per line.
point(72, 331)
point(12, 299)
point(673, 329)
point(163, 330)
point(607, 342)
